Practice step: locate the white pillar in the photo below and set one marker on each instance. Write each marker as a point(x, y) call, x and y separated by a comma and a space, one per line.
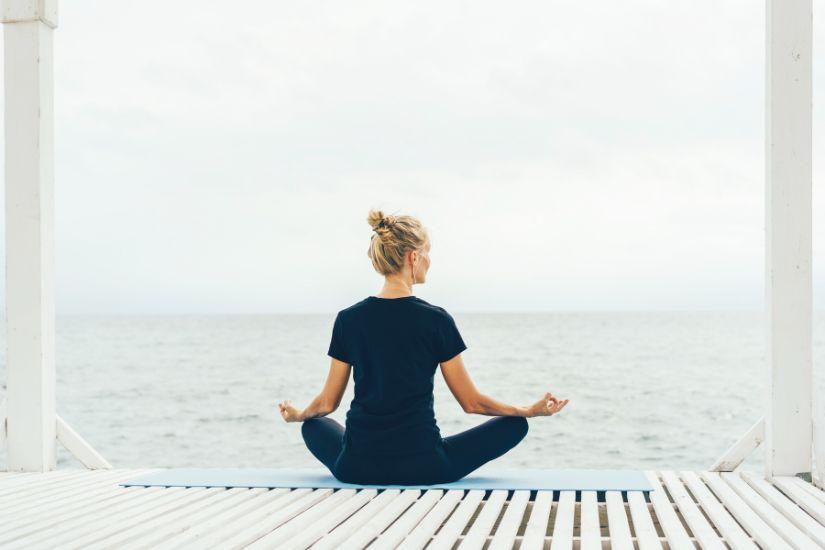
point(30, 315)
point(788, 145)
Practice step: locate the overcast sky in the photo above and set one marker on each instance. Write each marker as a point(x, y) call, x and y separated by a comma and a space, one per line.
point(598, 155)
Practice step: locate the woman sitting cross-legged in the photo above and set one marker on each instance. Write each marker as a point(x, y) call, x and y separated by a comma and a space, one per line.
point(395, 341)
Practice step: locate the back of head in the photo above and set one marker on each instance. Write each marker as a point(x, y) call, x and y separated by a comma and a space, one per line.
point(394, 236)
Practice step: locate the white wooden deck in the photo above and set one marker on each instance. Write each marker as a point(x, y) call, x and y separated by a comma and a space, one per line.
point(87, 509)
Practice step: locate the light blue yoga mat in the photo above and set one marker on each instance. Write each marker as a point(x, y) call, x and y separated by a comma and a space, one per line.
point(489, 479)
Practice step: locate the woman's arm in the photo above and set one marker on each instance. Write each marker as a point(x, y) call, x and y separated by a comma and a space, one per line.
point(475, 402)
point(326, 401)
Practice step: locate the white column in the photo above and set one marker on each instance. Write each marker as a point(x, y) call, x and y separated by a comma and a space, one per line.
point(30, 315)
point(788, 429)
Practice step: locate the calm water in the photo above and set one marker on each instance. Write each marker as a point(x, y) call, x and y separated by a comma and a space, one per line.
point(647, 390)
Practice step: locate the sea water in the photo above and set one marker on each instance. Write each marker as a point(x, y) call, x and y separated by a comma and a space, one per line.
point(646, 390)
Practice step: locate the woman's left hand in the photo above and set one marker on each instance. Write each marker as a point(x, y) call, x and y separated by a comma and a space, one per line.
point(289, 412)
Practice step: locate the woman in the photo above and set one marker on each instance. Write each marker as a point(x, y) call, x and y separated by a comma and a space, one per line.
point(395, 341)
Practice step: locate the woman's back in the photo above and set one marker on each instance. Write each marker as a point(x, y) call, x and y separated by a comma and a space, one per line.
point(394, 346)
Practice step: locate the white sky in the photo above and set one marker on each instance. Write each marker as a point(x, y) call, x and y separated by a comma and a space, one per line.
point(593, 155)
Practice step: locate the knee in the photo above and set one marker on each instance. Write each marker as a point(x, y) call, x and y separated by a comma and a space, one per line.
point(309, 426)
point(519, 427)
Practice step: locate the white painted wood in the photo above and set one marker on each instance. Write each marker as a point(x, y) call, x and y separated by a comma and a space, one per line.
point(767, 510)
point(505, 535)
point(29, 176)
point(446, 537)
point(26, 532)
point(46, 531)
point(786, 506)
point(590, 524)
point(67, 492)
point(12, 11)
point(646, 535)
point(334, 538)
point(617, 522)
point(367, 533)
point(79, 447)
point(675, 533)
point(699, 526)
point(740, 450)
point(148, 528)
point(273, 516)
point(228, 517)
point(562, 535)
point(724, 522)
point(422, 534)
point(119, 523)
point(2, 423)
point(788, 222)
point(332, 518)
point(764, 535)
point(483, 525)
point(217, 504)
point(396, 532)
point(815, 491)
point(281, 535)
point(52, 513)
point(535, 533)
point(801, 497)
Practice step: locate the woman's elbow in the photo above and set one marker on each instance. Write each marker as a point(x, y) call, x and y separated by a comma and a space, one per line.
point(470, 407)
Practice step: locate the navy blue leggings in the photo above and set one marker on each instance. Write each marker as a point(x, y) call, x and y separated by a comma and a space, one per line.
point(457, 456)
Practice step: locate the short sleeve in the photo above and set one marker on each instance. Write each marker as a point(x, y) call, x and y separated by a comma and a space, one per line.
point(337, 344)
point(448, 340)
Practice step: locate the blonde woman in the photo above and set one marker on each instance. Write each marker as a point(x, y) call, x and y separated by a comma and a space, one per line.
point(395, 341)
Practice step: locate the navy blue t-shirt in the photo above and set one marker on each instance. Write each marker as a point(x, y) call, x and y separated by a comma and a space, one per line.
point(394, 346)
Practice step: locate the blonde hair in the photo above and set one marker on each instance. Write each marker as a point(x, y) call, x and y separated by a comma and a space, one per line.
point(394, 236)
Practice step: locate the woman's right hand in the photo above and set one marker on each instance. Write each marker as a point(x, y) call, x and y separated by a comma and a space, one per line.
point(547, 406)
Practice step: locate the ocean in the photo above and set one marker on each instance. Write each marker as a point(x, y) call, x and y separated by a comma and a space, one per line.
point(646, 390)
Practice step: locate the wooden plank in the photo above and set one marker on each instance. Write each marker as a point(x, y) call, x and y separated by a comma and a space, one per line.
point(535, 533)
point(803, 498)
point(562, 536)
point(724, 522)
point(334, 538)
point(396, 532)
point(36, 482)
point(68, 488)
point(788, 236)
point(446, 537)
point(740, 450)
point(476, 537)
point(270, 517)
point(51, 508)
point(646, 535)
point(815, 491)
point(281, 535)
point(617, 522)
point(30, 241)
point(226, 518)
point(423, 533)
point(752, 523)
point(89, 533)
point(150, 527)
point(768, 512)
point(677, 537)
point(34, 517)
point(590, 523)
point(216, 505)
point(323, 525)
point(702, 530)
point(79, 447)
point(367, 533)
point(505, 535)
point(51, 533)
